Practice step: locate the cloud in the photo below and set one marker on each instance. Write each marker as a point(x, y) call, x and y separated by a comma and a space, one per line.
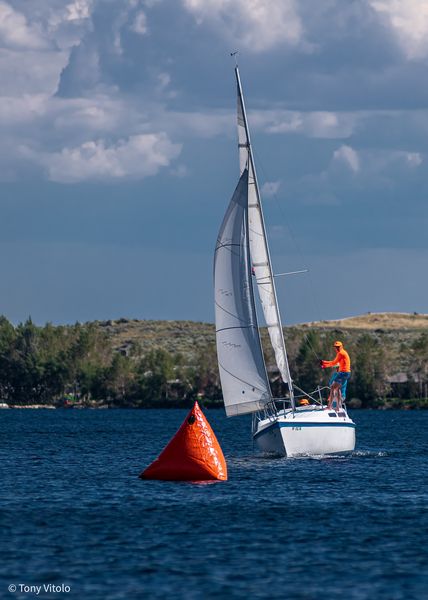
point(61, 113)
point(150, 3)
point(75, 80)
point(409, 21)
point(391, 162)
point(382, 173)
point(163, 85)
point(414, 159)
point(347, 156)
point(16, 32)
point(376, 167)
point(78, 10)
point(30, 72)
point(36, 41)
point(317, 124)
point(254, 25)
point(270, 188)
point(137, 157)
point(82, 74)
point(140, 23)
point(203, 125)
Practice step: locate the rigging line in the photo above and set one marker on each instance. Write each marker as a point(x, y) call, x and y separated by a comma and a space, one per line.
point(305, 335)
point(307, 394)
point(297, 246)
point(287, 224)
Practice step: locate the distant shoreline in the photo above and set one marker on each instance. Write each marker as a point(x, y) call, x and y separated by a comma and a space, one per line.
point(402, 405)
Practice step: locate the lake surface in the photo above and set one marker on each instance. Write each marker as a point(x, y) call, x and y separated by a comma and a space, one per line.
point(74, 512)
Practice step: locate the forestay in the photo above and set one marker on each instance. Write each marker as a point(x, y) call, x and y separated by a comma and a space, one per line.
point(258, 245)
point(242, 369)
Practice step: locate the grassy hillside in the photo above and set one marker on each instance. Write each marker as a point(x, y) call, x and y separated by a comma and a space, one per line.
point(389, 350)
point(394, 330)
point(185, 337)
point(372, 321)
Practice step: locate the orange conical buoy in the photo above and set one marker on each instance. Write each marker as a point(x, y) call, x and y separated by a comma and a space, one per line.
point(193, 454)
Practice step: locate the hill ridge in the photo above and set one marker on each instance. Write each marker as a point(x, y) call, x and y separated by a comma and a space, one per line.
point(375, 320)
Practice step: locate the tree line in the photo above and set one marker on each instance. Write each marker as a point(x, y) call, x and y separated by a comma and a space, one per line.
point(78, 365)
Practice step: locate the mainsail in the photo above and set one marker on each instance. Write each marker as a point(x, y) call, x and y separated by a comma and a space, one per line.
point(243, 375)
point(259, 250)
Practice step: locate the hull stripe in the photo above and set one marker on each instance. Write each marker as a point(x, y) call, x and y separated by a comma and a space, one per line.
point(352, 425)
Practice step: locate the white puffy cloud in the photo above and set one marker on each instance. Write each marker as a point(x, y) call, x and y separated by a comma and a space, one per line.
point(94, 133)
point(67, 118)
point(256, 25)
point(61, 97)
point(35, 41)
point(83, 139)
point(347, 156)
point(137, 157)
point(317, 124)
point(409, 20)
point(21, 111)
point(16, 32)
point(78, 10)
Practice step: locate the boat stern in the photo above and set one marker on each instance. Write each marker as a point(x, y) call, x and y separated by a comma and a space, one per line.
point(310, 432)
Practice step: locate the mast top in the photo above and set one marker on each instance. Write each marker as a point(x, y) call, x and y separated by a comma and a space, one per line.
point(235, 56)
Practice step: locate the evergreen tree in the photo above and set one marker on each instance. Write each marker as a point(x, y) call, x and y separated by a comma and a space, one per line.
point(155, 371)
point(369, 370)
point(307, 369)
point(418, 374)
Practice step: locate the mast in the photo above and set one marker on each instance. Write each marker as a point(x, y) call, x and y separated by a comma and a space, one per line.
point(265, 279)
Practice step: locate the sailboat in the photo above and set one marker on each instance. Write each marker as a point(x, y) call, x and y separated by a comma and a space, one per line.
point(242, 266)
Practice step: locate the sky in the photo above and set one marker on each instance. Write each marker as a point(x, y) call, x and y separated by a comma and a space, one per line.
point(118, 153)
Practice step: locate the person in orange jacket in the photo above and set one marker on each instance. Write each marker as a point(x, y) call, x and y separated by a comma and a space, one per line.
point(340, 378)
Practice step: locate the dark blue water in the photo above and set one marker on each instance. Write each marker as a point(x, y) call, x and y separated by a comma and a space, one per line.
point(73, 512)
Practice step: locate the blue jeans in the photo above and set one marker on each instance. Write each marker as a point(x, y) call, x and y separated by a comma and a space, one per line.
point(342, 378)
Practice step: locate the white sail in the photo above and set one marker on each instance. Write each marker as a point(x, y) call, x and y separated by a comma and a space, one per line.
point(259, 250)
point(242, 369)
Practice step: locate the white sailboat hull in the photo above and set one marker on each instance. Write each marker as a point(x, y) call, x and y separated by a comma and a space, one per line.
point(306, 433)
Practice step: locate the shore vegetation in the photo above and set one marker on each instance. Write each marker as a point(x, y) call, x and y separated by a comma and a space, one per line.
point(149, 364)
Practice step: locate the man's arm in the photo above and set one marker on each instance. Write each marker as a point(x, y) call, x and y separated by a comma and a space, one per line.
point(331, 363)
